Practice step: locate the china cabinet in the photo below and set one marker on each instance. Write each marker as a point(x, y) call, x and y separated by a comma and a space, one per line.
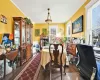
point(22, 38)
point(19, 31)
point(19, 37)
point(29, 40)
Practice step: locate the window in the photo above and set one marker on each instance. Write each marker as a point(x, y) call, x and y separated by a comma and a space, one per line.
point(68, 27)
point(52, 33)
point(93, 23)
point(68, 30)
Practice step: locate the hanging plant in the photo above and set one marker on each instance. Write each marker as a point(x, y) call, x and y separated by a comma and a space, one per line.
point(28, 21)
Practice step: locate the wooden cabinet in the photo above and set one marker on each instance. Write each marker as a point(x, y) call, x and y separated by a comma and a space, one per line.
point(71, 49)
point(22, 38)
point(19, 31)
point(19, 37)
point(29, 40)
point(29, 52)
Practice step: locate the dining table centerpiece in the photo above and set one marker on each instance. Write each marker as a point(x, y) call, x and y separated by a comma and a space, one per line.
point(61, 40)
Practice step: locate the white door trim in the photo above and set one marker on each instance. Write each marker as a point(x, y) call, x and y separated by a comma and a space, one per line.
point(88, 31)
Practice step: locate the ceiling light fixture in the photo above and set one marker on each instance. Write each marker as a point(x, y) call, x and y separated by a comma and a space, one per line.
point(48, 20)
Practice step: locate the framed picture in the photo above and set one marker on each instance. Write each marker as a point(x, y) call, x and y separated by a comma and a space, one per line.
point(53, 30)
point(44, 31)
point(77, 25)
point(37, 32)
point(3, 19)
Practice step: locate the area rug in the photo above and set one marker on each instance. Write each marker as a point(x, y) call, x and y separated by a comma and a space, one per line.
point(29, 72)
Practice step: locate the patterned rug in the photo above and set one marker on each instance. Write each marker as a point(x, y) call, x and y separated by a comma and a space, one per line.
point(30, 70)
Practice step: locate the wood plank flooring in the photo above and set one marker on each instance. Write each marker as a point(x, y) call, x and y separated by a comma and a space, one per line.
point(14, 73)
point(71, 74)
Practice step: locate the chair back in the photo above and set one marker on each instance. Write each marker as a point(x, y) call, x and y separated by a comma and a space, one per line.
point(56, 51)
point(87, 59)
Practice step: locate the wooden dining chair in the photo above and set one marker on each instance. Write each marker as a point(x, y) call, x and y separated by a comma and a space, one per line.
point(56, 52)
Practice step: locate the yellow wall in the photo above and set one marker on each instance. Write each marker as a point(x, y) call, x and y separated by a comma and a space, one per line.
point(80, 12)
point(61, 26)
point(8, 9)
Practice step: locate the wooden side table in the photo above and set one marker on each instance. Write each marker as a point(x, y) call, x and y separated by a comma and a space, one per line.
point(11, 56)
point(3, 57)
point(71, 51)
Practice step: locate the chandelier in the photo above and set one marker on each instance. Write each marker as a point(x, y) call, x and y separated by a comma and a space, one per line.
point(48, 20)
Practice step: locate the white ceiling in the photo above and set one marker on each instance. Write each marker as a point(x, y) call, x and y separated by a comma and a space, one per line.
point(60, 10)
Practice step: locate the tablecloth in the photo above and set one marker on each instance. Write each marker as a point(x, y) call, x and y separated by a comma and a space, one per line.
point(45, 57)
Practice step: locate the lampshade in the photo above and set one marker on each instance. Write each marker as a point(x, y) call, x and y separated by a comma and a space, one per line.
point(48, 20)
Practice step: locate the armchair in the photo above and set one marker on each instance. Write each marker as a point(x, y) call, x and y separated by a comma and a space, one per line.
point(87, 61)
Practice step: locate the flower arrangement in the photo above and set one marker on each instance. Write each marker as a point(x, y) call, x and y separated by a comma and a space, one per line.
point(61, 40)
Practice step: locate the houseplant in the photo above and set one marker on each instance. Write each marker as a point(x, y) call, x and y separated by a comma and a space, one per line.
point(28, 21)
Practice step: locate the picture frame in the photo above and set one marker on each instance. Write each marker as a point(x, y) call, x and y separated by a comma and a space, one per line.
point(77, 25)
point(44, 31)
point(3, 19)
point(37, 32)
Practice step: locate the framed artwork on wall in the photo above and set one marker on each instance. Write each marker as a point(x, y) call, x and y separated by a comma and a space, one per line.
point(44, 31)
point(77, 25)
point(37, 32)
point(3, 19)
point(53, 30)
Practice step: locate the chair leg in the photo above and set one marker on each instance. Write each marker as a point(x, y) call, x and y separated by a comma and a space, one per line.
point(50, 73)
point(4, 67)
point(61, 72)
point(64, 70)
point(50, 70)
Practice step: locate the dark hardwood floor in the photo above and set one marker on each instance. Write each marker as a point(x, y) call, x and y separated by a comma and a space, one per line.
point(71, 74)
point(15, 72)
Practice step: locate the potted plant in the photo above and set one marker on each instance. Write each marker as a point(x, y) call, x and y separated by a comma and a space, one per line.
point(28, 21)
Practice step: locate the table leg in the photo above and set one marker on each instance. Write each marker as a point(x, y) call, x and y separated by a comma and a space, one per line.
point(4, 67)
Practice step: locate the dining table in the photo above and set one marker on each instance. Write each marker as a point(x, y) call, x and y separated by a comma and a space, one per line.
point(45, 58)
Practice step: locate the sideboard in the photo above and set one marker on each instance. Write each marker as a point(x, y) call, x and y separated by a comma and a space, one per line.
point(71, 49)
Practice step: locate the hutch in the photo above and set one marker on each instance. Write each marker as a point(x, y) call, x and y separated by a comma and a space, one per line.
point(22, 38)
